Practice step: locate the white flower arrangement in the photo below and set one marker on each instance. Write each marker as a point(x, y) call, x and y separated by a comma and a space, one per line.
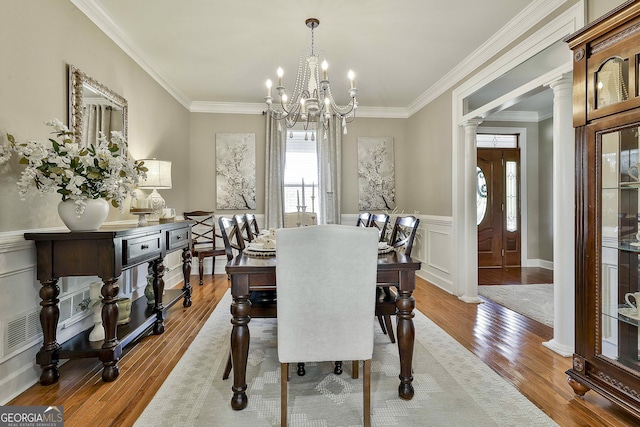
point(75, 172)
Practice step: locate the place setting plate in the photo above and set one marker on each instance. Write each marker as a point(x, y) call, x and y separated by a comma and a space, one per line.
point(258, 250)
point(384, 248)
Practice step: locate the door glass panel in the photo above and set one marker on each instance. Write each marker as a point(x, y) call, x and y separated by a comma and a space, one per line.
point(620, 246)
point(481, 195)
point(511, 185)
point(612, 82)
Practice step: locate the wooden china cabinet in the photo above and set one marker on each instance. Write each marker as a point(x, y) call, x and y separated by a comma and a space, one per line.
point(606, 117)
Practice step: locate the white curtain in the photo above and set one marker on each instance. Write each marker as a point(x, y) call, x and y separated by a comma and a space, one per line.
point(329, 167)
point(274, 173)
point(95, 119)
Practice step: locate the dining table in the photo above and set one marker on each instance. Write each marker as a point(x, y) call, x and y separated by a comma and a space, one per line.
point(250, 273)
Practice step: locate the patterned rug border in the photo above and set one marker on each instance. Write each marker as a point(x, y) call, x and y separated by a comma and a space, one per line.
point(201, 364)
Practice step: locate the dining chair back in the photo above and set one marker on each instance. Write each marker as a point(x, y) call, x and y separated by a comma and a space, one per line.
point(402, 237)
point(231, 236)
point(404, 233)
point(243, 228)
point(204, 239)
point(363, 219)
point(381, 222)
point(253, 225)
point(315, 264)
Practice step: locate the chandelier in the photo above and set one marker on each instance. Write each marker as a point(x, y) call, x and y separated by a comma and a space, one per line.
point(311, 100)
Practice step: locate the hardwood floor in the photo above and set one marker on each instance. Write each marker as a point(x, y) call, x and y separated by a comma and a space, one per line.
point(509, 343)
point(514, 276)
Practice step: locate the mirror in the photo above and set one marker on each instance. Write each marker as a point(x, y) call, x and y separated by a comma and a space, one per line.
point(94, 108)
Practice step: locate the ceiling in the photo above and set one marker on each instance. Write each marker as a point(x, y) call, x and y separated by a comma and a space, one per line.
point(217, 52)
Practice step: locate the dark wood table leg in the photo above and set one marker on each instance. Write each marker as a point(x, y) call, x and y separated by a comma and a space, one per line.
point(406, 335)
point(157, 266)
point(47, 356)
point(111, 349)
point(240, 309)
point(186, 274)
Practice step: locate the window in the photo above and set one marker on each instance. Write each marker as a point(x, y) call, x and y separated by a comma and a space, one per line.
point(496, 141)
point(301, 163)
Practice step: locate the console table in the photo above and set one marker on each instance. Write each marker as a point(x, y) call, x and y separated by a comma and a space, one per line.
point(106, 253)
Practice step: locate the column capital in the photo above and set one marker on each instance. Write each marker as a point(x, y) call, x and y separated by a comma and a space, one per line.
point(560, 83)
point(471, 123)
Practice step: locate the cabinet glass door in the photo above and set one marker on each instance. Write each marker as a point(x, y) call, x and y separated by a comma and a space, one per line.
point(619, 275)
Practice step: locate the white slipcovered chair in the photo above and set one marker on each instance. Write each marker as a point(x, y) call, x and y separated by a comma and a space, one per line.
point(315, 265)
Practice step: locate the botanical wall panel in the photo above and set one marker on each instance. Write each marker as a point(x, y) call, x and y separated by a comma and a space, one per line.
point(236, 170)
point(376, 173)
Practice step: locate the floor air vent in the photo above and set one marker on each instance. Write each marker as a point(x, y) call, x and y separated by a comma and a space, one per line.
point(24, 330)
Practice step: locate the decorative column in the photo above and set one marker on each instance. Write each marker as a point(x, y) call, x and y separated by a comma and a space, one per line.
point(563, 341)
point(468, 236)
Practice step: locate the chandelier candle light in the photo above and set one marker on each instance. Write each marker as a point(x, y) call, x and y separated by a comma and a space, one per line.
point(311, 100)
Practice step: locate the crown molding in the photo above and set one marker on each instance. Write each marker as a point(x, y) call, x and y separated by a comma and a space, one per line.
point(97, 15)
point(227, 107)
point(521, 23)
point(255, 108)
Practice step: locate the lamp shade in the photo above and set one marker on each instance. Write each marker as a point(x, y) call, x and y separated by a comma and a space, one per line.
point(158, 175)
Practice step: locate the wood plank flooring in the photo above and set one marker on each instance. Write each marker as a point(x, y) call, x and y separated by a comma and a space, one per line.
point(509, 343)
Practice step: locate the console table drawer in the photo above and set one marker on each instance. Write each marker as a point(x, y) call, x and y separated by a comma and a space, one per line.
point(142, 249)
point(178, 238)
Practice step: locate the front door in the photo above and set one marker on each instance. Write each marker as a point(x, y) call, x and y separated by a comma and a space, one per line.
point(498, 196)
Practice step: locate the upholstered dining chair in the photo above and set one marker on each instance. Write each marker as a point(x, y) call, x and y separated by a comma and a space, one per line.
point(204, 239)
point(402, 237)
point(315, 264)
point(363, 219)
point(381, 222)
point(263, 303)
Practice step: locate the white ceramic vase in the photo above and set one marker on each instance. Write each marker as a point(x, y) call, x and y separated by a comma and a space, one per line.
point(91, 219)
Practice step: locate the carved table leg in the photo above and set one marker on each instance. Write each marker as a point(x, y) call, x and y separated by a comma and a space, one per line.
point(111, 349)
point(406, 335)
point(47, 357)
point(240, 309)
point(158, 289)
point(186, 274)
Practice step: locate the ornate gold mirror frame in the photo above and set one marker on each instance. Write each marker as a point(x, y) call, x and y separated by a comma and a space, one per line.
point(83, 87)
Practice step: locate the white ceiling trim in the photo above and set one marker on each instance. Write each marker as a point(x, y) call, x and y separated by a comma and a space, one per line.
point(97, 15)
point(521, 116)
point(514, 116)
point(531, 88)
point(520, 24)
point(567, 23)
point(259, 108)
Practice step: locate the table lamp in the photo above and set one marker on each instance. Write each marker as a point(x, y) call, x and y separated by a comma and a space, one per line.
point(158, 178)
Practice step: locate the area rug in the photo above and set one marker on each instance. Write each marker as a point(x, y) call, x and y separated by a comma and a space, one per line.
point(532, 301)
point(452, 386)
